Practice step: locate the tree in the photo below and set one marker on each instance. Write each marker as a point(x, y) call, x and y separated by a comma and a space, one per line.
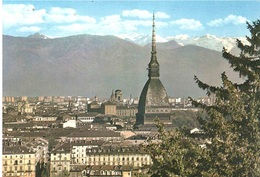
point(232, 124)
point(174, 154)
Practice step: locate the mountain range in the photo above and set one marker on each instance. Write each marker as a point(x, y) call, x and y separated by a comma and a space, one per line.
point(207, 41)
point(91, 65)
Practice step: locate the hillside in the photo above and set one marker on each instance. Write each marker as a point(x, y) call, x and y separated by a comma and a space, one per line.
point(89, 65)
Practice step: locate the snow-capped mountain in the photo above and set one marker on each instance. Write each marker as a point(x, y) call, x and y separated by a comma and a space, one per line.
point(141, 39)
point(207, 41)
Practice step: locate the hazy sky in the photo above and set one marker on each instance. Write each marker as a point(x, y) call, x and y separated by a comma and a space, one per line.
point(64, 18)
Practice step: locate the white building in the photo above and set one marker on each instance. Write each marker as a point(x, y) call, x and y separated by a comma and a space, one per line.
point(70, 123)
point(87, 117)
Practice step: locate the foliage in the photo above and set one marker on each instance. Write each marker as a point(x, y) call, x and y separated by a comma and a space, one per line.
point(186, 118)
point(44, 173)
point(232, 124)
point(174, 155)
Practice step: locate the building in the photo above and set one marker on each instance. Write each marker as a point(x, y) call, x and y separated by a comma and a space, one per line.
point(97, 158)
point(108, 108)
point(87, 117)
point(119, 95)
point(117, 155)
point(29, 107)
point(79, 149)
point(70, 124)
point(126, 110)
point(94, 106)
point(60, 161)
point(18, 161)
point(104, 135)
point(45, 118)
point(154, 98)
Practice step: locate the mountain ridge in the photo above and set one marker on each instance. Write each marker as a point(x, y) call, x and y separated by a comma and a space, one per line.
point(89, 65)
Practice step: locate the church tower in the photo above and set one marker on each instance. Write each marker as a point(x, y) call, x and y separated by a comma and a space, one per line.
point(153, 102)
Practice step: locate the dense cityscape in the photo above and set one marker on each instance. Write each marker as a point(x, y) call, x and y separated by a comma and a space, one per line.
point(152, 134)
point(79, 136)
point(76, 136)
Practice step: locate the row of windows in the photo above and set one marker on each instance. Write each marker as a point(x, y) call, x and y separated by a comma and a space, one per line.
point(59, 168)
point(65, 158)
point(22, 174)
point(20, 168)
point(60, 163)
point(16, 162)
point(87, 118)
point(16, 156)
point(118, 158)
point(118, 163)
point(153, 110)
point(59, 154)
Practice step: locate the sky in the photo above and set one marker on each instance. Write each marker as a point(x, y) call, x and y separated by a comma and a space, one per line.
point(173, 18)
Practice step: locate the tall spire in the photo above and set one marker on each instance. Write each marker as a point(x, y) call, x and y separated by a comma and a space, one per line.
point(153, 66)
point(153, 37)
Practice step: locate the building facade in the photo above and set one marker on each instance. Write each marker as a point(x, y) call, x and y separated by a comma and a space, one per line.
point(18, 161)
point(60, 161)
point(108, 108)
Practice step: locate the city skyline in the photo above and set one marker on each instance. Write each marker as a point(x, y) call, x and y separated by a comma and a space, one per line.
point(173, 18)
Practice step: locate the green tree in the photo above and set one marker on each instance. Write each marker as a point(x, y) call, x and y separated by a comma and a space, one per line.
point(233, 121)
point(232, 124)
point(174, 154)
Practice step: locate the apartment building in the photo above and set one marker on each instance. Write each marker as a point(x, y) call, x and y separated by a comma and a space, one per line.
point(18, 161)
point(116, 155)
point(60, 161)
